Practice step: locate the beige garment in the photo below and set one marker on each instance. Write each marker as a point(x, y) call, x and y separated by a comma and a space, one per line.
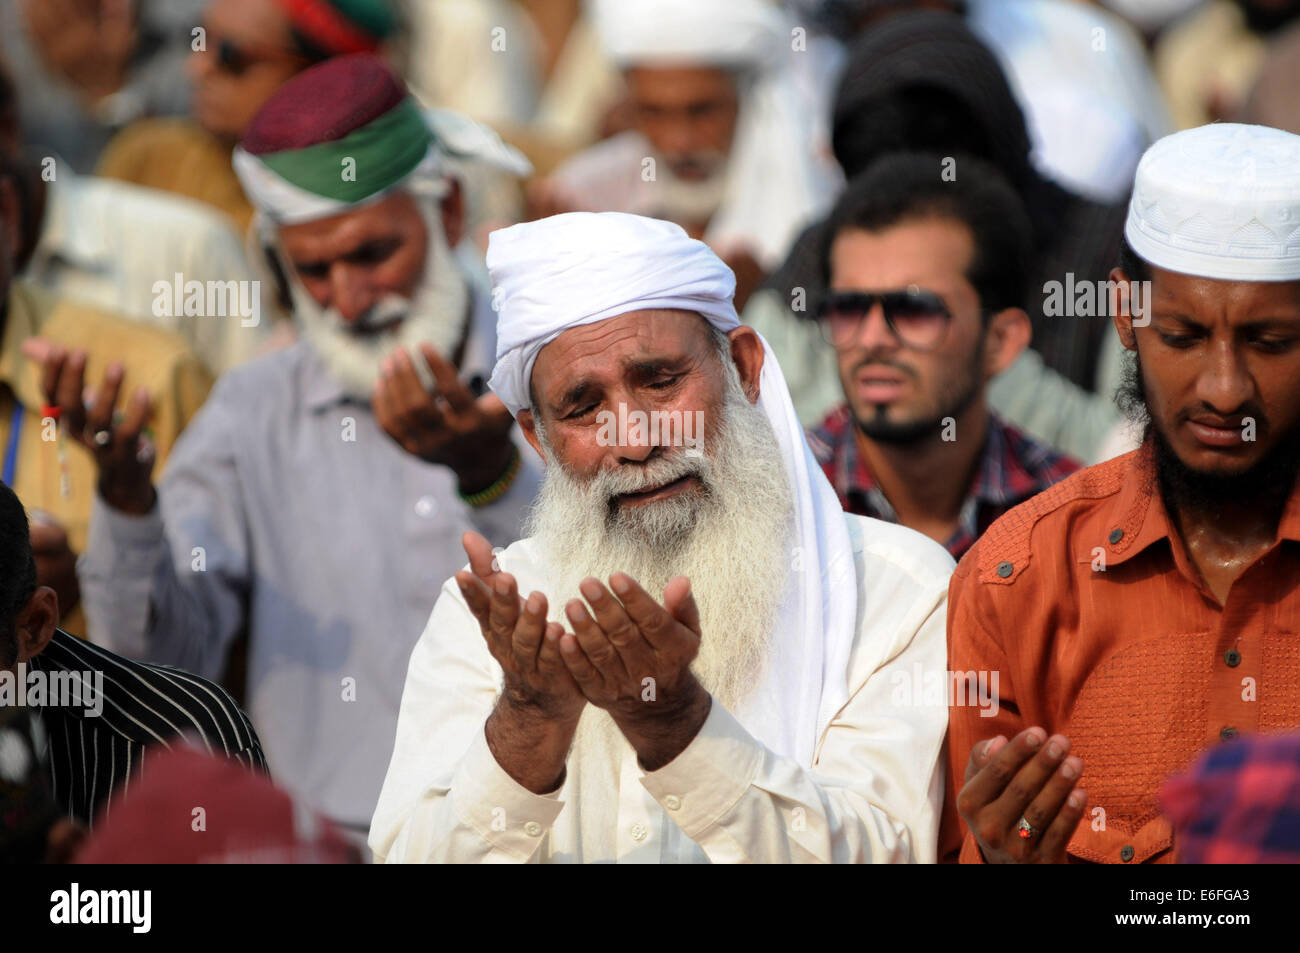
point(1209, 57)
point(873, 793)
point(115, 246)
point(178, 156)
point(477, 57)
point(57, 476)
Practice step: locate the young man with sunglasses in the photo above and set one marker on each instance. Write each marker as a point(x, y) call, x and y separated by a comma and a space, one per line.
point(924, 278)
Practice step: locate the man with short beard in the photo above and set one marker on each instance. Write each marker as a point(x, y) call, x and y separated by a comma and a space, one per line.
point(744, 677)
point(1146, 608)
point(722, 141)
point(318, 500)
point(924, 282)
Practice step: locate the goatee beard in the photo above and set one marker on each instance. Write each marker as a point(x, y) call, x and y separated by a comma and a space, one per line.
point(880, 429)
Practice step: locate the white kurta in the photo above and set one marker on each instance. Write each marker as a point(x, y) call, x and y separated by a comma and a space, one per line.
point(874, 793)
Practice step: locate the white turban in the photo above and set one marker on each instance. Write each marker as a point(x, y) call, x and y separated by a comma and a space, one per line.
point(737, 33)
point(582, 267)
point(779, 174)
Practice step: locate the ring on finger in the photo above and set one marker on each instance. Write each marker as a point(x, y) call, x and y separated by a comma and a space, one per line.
point(102, 438)
point(1026, 830)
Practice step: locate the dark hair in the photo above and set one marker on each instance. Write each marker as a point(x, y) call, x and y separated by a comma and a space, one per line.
point(17, 571)
point(907, 186)
point(1133, 265)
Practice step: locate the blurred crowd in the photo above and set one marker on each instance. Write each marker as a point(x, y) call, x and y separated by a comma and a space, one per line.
point(247, 410)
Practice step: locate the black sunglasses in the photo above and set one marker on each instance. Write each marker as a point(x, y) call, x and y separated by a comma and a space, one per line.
point(235, 59)
point(918, 318)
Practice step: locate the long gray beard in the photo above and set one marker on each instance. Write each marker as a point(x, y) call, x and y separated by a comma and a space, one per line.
point(731, 539)
point(435, 315)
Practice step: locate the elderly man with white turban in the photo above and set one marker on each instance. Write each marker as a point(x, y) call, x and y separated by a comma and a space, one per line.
point(724, 140)
point(750, 674)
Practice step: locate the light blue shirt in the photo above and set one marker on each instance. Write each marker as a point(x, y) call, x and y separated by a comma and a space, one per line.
point(286, 509)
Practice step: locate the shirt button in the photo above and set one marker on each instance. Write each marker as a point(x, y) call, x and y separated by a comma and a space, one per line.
point(533, 829)
point(639, 832)
point(426, 506)
point(1116, 535)
point(1005, 569)
point(1232, 657)
point(1126, 853)
point(672, 802)
point(1228, 733)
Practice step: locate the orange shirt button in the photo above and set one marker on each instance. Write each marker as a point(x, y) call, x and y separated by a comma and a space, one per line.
point(1126, 853)
point(1228, 733)
point(1232, 657)
point(1005, 569)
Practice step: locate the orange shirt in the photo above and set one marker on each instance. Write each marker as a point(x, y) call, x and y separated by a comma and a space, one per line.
point(1085, 603)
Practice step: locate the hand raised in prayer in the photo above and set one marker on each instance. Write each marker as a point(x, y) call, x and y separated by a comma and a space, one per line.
point(525, 645)
point(447, 425)
point(122, 452)
point(633, 659)
point(532, 726)
point(1029, 777)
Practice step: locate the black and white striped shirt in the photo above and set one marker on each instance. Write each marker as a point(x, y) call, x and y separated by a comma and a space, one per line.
point(90, 755)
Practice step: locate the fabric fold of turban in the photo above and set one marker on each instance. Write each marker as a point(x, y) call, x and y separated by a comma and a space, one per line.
point(579, 268)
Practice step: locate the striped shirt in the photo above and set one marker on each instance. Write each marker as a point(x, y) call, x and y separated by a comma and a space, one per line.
point(91, 753)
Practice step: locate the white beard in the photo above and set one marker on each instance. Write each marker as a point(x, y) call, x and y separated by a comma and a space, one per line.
point(730, 539)
point(436, 315)
point(687, 200)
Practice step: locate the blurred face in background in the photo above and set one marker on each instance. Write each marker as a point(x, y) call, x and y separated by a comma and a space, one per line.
point(368, 281)
point(249, 53)
point(688, 114)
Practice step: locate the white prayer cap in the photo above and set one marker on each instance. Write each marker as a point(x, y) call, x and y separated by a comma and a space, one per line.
point(716, 32)
point(582, 267)
point(1220, 201)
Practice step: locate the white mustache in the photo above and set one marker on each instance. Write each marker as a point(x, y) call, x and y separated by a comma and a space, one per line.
point(658, 471)
point(379, 315)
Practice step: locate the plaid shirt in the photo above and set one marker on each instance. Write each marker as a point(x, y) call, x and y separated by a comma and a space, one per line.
point(1239, 804)
point(1012, 469)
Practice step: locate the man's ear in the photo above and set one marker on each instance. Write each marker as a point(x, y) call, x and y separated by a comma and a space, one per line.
point(1122, 316)
point(453, 213)
point(747, 352)
point(35, 623)
point(1007, 335)
point(529, 428)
